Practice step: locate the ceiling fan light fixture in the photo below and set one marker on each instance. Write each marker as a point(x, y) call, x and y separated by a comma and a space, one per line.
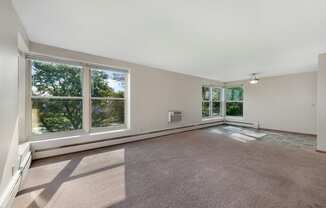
point(254, 79)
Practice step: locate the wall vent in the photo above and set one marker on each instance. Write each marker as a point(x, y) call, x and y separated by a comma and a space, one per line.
point(174, 116)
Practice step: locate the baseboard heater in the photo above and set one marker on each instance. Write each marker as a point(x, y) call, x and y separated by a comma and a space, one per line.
point(66, 149)
point(242, 123)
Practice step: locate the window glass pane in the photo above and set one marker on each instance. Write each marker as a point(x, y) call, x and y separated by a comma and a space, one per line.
point(205, 109)
point(205, 93)
point(106, 83)
point(216, 94)
point(53, 115)
point(107, 112)
point(234, 94)
point(54, 79)
point(234, 109)
point(216, 110)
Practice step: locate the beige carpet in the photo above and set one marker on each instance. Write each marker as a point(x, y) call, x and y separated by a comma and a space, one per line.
point(201, 168)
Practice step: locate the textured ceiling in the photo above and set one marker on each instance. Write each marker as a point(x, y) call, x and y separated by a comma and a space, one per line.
point(218, 39)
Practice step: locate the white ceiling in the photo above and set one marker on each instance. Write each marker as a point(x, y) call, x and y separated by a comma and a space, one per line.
point(218, 39)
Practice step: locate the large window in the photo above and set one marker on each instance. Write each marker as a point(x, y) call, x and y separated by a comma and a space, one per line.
point(234, 101)
point(56, 97)
point(66, 97)
point(211, 101)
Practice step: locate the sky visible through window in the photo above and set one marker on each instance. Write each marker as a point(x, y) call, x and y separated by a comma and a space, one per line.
point(116, 80)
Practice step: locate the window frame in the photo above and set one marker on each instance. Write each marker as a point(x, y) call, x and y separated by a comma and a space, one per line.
point(125, 99)
point(210, 102)
point(230, 101)
point(86, 99)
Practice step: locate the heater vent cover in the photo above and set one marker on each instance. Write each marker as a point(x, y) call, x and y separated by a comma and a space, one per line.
point(174, 116)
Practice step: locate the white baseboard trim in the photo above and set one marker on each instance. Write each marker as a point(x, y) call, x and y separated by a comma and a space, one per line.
point(24, 167)
point(44, 153)
point(9, 194)
point(242, 124)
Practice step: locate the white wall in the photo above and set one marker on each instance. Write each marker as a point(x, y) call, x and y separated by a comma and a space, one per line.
point(153, 92)
point(285, 103)
point(321, 141)
point(10, 26)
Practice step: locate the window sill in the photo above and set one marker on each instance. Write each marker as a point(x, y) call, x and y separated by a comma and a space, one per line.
point(85, 137)
point(56, 135)
point(77, 134)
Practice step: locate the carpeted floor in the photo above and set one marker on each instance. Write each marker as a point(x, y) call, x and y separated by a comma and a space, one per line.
point(307, 142)
point(201, 168)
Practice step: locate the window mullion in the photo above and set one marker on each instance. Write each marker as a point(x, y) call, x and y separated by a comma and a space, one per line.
point(56, 97)
point(107, 98)
point(28, 91)
point(211, 101)
point(126, 103)
point(87, 113)
point(223, 102)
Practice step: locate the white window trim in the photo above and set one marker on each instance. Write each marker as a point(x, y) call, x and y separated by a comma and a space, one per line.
point(226, 101)
point(26, 85)
point(22, 82)
point(126, 99)
point(210, 101)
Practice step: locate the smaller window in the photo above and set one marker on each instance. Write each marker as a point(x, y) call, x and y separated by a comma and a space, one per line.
point(216, 101)
point(108, 97)
point(234, 101)
point(211, 102)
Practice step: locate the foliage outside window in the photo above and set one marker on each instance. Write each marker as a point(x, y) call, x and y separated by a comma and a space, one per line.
point(56, 97)
point(58, 101)
point(108, 97)
point(211, 101)
point(234, 101)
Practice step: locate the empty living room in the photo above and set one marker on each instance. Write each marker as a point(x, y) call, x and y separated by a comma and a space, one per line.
point(163, 104)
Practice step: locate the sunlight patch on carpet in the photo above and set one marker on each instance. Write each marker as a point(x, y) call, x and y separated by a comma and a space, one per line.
point(241, 138)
